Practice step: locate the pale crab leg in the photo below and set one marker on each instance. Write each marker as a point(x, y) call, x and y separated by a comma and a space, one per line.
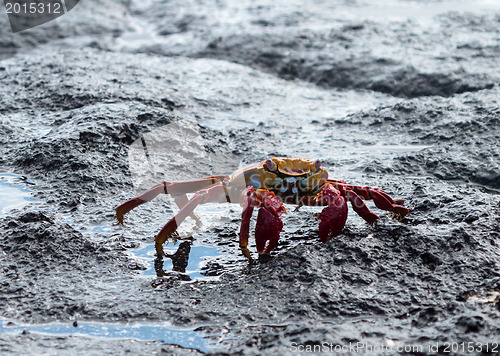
point(216, 194)
point(329, 180)
point(176, 189)
point(182, 200)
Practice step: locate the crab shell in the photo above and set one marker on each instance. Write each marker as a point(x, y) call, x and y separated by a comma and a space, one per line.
point(289, 179)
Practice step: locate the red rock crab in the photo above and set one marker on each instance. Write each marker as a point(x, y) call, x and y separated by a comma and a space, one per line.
point(268, 185)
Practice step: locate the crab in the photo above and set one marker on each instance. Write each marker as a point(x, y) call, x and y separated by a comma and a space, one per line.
point(269, 185)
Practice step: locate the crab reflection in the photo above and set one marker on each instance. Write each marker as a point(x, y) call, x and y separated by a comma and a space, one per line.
point(180, 260)
point(190, 261)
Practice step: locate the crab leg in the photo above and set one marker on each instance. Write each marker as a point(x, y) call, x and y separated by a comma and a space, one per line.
point(176, 189)
point(216, 194)
point(124, 208)
point(182, 199)
point(336, 181)
point(381, 199)
point(359, 207)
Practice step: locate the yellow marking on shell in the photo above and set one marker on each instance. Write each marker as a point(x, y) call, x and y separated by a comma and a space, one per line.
point(293, 167)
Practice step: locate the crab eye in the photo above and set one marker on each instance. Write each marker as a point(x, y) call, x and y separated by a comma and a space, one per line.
point(271, 165)
point(317, 164)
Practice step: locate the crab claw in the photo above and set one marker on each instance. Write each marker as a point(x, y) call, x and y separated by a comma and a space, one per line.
point(332, 220)
point(334, 216)
point(267, 230)
point(269, 224)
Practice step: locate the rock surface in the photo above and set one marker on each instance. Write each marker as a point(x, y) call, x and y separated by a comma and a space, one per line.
point(113, 97)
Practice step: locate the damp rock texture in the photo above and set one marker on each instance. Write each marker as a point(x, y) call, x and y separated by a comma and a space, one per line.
point(115, 96)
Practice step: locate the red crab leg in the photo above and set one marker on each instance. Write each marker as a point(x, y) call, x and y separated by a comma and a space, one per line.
point(175, 189)
point(215, 194)
point(359, 207)
point(382, 202)
point(381, 199)
point(334, 216)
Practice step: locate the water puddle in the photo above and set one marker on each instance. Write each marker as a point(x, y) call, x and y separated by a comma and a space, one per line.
point(13, 192)
point(188, 338)
point(189, 258)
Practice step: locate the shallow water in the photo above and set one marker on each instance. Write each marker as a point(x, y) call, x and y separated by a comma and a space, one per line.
point(186, 257)
point(163, 332)
point(13, 192)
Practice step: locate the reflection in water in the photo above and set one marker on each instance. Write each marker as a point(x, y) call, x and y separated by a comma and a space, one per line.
point(189, 261)
point(180, 260)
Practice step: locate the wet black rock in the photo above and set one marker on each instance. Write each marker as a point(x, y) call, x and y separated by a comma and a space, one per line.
point(378, 74)
point(90, 21)
point(470, 324)
point(456, 137)
point(36, 251)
